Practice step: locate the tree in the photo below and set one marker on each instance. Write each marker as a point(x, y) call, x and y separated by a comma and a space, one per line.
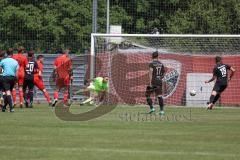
point(206, 17)
point(67, 23)
point(46, 24)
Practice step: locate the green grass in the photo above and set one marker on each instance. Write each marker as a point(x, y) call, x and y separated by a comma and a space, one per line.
point(38, 134)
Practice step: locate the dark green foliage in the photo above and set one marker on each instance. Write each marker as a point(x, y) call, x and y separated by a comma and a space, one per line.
point(42, 24)
point(46, 24)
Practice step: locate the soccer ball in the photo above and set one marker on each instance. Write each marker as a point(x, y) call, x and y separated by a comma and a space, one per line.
point(193, 92)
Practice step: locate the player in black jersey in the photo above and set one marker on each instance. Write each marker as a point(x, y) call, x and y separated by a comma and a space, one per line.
point(31, 68)
point(156, 74)
point(220, 74)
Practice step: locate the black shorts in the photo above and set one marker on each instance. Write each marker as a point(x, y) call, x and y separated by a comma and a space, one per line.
point(28, 83)
point(8, 83)
point(155, 88)
point(219, 88)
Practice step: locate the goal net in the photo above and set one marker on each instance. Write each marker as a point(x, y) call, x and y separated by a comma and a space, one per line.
point(189, 61)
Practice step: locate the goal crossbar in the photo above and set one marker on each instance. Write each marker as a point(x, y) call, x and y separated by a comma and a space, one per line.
point(168, 35)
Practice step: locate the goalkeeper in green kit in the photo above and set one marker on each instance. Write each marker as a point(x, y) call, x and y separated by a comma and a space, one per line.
point(98, 89)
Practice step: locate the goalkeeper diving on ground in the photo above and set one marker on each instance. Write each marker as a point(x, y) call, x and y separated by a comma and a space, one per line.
point(98, 88)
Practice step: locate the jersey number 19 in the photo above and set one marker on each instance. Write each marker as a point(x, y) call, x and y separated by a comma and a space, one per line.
point(223, 71)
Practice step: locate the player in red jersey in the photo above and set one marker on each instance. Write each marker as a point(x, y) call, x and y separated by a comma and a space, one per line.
point(63, 75)
point(38, 81)
point(23, 62)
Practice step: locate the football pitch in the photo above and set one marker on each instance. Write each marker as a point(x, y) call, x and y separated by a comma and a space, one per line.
point(125, 133)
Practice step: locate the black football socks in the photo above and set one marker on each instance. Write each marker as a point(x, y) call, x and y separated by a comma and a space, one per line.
point(160, 100)
point(149, 102)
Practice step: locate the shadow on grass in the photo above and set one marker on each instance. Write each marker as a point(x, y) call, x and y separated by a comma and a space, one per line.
point(63, 112)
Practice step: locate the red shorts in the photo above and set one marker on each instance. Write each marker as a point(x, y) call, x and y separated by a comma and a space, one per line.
point(62, 82)
point(20, 79)
point(39, 83)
